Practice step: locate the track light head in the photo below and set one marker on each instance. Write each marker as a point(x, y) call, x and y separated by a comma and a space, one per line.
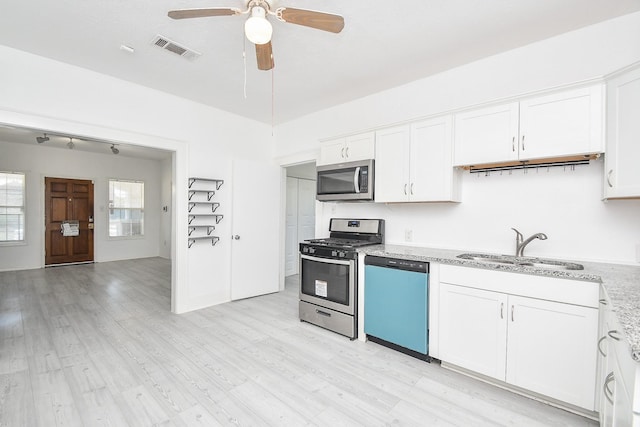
point(114, 150)
point(41, 139)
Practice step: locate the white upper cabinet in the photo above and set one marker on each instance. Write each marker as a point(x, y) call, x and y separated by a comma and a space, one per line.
point(392, 164)
point(348, 149)
point(487, 135)
point(622, 174)
point(561, 124)
point(414, 163)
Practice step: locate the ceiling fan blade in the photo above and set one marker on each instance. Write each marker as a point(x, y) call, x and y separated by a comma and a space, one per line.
point(264, 55)
point(201, 13)
point(310, 18)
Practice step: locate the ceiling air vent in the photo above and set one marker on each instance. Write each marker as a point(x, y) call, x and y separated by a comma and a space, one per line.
point(167, 44)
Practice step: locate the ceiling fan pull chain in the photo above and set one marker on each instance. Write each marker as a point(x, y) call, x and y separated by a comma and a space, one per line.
point(244, 60)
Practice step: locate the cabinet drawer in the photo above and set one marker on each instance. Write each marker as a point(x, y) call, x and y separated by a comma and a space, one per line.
point(547, 288)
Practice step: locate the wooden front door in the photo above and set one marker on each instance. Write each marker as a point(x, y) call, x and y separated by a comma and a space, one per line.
point(68, 200)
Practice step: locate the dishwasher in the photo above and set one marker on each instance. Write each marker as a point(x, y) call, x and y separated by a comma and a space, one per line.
point(396, 304)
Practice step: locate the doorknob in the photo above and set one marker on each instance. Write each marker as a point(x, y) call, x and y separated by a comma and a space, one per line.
point(236, 237)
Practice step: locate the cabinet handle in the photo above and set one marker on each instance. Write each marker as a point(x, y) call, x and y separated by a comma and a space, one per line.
point(600, 348)
point(411, 189)
point(512, 313)
point(501, 310)
point(405, 189)
point(612, 334)
point(609, 178)
point(602, 301)
point(513, 144)
point(346, 151)
point(342, 153)
point(608, 393)
point(522, 142)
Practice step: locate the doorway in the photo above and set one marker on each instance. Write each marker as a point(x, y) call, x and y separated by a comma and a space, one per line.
point(68, 221)
point(300, 211)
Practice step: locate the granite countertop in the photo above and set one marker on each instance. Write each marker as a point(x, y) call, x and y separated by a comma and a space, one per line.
point(621, 282)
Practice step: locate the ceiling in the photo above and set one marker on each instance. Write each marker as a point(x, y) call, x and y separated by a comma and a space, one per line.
point(383, 44)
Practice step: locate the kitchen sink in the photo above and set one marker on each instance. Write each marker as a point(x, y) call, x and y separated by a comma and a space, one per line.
point(548, 264)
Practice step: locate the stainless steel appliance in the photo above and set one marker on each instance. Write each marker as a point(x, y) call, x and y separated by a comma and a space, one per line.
point(345, 181)
point(329, 274)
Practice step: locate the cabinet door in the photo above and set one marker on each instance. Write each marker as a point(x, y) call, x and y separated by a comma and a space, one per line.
point(622, 174)
point(560, 124)
point(473, 329)
point(392, 165)
point(552, 349)
point(360, 147)
point(332, 152)
point(486, 135)
point(432, 176)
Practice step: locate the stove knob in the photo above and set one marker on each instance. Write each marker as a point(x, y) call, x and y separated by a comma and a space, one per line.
point(312, 251)
point(334, 253)
point(341, 254)
point(305, 250)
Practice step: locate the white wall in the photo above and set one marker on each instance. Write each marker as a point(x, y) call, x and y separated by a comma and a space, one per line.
point(165, 200)
point(566, 206)
point(39, 93)
point(38, 161)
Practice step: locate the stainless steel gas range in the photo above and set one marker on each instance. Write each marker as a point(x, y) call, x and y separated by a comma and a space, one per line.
point(329, 274)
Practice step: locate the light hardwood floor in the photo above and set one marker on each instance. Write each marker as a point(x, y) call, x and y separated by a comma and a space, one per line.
point(97, 345)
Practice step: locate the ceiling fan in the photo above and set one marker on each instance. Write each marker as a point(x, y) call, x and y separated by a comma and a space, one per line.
point(258, 29)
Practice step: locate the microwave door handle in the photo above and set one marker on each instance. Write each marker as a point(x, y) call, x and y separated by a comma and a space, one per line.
point(356, 180)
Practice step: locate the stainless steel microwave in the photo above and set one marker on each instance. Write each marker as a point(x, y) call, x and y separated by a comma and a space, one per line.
point(345, 181)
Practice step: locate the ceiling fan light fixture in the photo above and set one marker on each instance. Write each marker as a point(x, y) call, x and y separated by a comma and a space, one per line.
point(257, 29)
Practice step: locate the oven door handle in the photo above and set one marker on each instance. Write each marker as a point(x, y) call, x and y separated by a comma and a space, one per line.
point(326, 260)
point(356, 180)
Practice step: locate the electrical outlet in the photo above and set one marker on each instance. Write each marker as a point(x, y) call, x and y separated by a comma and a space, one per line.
point(408, 235)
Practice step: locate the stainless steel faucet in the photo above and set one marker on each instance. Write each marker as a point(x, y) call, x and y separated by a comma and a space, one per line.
point(520, 245)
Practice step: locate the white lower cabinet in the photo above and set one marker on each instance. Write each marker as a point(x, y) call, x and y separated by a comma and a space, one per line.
point(504, 326)
point(619, 388)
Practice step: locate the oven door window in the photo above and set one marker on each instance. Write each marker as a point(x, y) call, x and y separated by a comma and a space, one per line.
point(337, 181)
point(325, 280)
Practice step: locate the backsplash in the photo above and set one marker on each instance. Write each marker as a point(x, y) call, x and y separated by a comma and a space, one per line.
point(564, 203)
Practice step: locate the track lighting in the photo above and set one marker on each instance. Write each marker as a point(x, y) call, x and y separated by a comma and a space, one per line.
point(114, 150)
point(41, 139)
point(70, 144)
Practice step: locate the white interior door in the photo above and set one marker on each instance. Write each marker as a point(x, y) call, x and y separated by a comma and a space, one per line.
point(306, 210)
point(255, 228)
point(291, 221)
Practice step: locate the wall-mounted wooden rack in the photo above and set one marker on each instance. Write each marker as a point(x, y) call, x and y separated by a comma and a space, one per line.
point(529, 164)
point(214, 239)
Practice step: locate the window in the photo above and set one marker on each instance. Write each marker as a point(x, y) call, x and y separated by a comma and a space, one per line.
point(11, 207)
point(126, 208)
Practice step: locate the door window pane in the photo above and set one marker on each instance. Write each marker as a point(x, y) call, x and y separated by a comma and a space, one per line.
point(12, 216)
point(126, 208)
